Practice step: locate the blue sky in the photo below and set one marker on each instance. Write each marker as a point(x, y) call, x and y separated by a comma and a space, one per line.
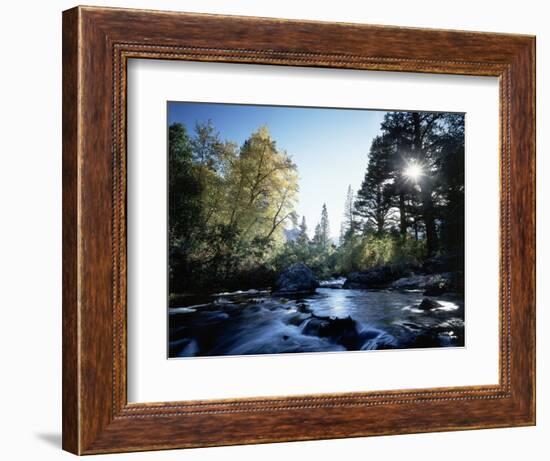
point(329, 146)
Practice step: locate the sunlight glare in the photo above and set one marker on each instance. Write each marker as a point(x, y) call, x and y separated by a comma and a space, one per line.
point(413, 171)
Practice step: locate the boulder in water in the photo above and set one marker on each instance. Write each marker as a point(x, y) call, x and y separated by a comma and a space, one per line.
point(428, 304)
point(340, 330)
point(314, 326)
point(333, 283)
point(295, 279)
point(432, 284)
point(297, 318)
point(376, 278)
point(303, 308)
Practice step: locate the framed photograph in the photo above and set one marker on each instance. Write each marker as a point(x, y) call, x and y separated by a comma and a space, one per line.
point(281, 230)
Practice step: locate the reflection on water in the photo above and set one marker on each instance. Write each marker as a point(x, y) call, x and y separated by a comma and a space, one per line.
point(331, 320)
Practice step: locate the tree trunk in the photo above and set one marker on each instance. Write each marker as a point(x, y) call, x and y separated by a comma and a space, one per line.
point(429, 221)
point(426, 190)
point(402, 214)
point(417, 137)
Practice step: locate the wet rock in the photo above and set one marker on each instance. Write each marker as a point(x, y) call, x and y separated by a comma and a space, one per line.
point(333, 283)
point(439, 284)
point(297, 278)
point(303, 308)
point(455, 323)
point(428, 304)
point(223, 301)
point(314, 325)
point(432, 284)
point(378, 277)
point(256, 301)
point(340, 330)
point(297, 319)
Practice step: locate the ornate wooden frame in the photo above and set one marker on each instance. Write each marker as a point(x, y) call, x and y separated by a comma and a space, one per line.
point(97, 43)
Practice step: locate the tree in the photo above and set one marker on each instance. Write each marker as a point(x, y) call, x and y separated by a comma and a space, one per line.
point(317, 234)
point(264, 187)
point(229, 206)
point(303, 238)
point(343, 234)
point(322, 230)
point(349, 224)
point(450, 185)
point(206, 144)
point(184, 201)
point(182, 184)
point(374, 200)
point(415, 136)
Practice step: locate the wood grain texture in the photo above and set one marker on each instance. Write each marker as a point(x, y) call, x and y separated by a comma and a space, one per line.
point(70, 383)
point(97, 43)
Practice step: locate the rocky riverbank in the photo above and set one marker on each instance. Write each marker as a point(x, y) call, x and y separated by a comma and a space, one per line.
point(382, 308)
point(299, 279)
point(327, 320)
point(435, 277)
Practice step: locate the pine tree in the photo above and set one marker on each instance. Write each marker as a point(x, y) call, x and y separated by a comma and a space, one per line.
point(349, 224)
point(317, 234)
point(343, 231)
point(374, 199)
point(324, 228)
point(303, 238)
point(419, 135)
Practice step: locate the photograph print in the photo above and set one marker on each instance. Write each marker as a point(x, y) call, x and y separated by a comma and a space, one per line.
point(305, 229)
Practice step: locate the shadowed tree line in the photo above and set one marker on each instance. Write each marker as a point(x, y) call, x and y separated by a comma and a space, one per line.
point(410, 205)
point(232, 218)
point(228, 207)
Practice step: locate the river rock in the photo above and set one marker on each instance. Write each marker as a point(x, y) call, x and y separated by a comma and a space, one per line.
point(433, 284)
point(297, 318)
point(303, 308)
point(376, 278)
point(340, 330)
point(297, 278)
point(333, 283)
point(428, 304)
point(314, 325)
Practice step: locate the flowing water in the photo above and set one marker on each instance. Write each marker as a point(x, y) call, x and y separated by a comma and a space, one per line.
point(332, 319)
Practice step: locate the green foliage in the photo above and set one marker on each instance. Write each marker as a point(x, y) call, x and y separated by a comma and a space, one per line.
point(322, 230)
point(321, 260)
point(350, 223)
point(369, 251)
point(428, 205)
point(229, 206)
point(375, 198)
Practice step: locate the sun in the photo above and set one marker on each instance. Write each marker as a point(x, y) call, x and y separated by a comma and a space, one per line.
point(413, 171)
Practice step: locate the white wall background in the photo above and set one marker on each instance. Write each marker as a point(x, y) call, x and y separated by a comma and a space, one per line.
point(30, 229)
